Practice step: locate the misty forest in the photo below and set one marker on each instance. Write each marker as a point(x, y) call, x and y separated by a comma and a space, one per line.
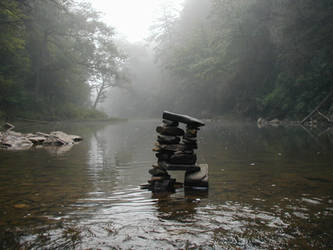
point(254, 82)
point(253, 58)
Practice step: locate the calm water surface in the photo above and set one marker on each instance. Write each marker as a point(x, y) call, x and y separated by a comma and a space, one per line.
point(269, 188)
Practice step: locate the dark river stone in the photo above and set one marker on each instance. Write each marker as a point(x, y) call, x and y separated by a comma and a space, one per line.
point(164, 139)
point(190, 121)
point(170, 123)
point(183, 159)
point(269, 188)
point(172, 131)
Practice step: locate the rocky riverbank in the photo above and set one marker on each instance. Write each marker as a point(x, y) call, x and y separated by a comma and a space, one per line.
point(12, 140)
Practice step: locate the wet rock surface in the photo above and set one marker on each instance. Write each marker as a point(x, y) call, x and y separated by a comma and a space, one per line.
point(11, 140)
point(175, 151)
point(190, 121)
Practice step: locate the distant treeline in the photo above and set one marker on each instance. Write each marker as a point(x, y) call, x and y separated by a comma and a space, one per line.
point(271, 58)
point(53, 54)
point(254, 57)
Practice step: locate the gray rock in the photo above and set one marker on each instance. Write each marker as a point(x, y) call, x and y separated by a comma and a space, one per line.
point(76, 138)
point(175, 167)
point(158, 171)
point(197, 178)
point(191, 133)
point(170, 147)
point(15, 134)
point(170, 123)
point(61, 138)
point(14, 141)
point(164, 139)
point(164, 185)
point(183, 159)
point(163, 156)
point(192, 141)
point(191, 121)
point(42, 134)
point(173, 131)
point(36, 140)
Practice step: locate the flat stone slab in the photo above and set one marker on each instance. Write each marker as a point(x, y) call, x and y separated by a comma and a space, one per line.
point(191, 121)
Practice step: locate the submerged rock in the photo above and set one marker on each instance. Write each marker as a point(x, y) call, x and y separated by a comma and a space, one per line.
point(57, 150)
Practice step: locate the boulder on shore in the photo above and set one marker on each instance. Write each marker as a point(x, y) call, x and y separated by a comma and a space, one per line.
point(11, 140)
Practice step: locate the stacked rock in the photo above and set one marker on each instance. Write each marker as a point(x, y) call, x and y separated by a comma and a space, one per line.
point(175, 150)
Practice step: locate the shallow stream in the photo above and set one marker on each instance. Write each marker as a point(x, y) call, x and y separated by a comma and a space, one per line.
point(269, 188)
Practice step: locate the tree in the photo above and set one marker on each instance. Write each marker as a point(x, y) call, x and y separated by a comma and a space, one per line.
point(14, 62)
point(50, 51)
point(252, 57)
point(107, 65)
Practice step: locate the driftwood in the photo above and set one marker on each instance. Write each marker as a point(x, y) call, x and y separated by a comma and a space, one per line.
point(316, 110)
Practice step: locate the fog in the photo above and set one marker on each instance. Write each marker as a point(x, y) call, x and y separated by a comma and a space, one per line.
point(261, 71)
point(75, 59)
point(211, 58)
point(147, 81)
point(152, 89)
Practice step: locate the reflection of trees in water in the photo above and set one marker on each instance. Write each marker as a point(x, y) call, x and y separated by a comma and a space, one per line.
point(248, 141)
point(39, 190)
point(247, 163)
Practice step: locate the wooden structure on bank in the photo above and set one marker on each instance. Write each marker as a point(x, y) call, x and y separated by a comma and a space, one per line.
point(175, 150)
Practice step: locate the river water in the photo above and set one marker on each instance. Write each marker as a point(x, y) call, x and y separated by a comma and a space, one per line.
point(269, 188)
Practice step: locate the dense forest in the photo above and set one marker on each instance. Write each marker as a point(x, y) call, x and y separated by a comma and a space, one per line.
point(271, 58)
point(254, 57)
point(54, 54)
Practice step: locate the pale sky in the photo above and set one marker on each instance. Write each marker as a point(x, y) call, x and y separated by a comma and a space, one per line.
point(131, 18)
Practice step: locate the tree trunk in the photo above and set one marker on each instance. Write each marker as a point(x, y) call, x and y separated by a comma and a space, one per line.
point(40, 59)
point(99, 94)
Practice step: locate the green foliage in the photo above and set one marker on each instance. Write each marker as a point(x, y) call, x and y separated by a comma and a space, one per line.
point(50, 52)
point(255, 57)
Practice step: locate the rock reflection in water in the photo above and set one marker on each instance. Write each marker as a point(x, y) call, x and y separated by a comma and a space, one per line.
point(179, 208)
point(269, 188)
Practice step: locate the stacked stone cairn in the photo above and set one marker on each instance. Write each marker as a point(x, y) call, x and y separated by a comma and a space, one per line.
point(175, 150)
